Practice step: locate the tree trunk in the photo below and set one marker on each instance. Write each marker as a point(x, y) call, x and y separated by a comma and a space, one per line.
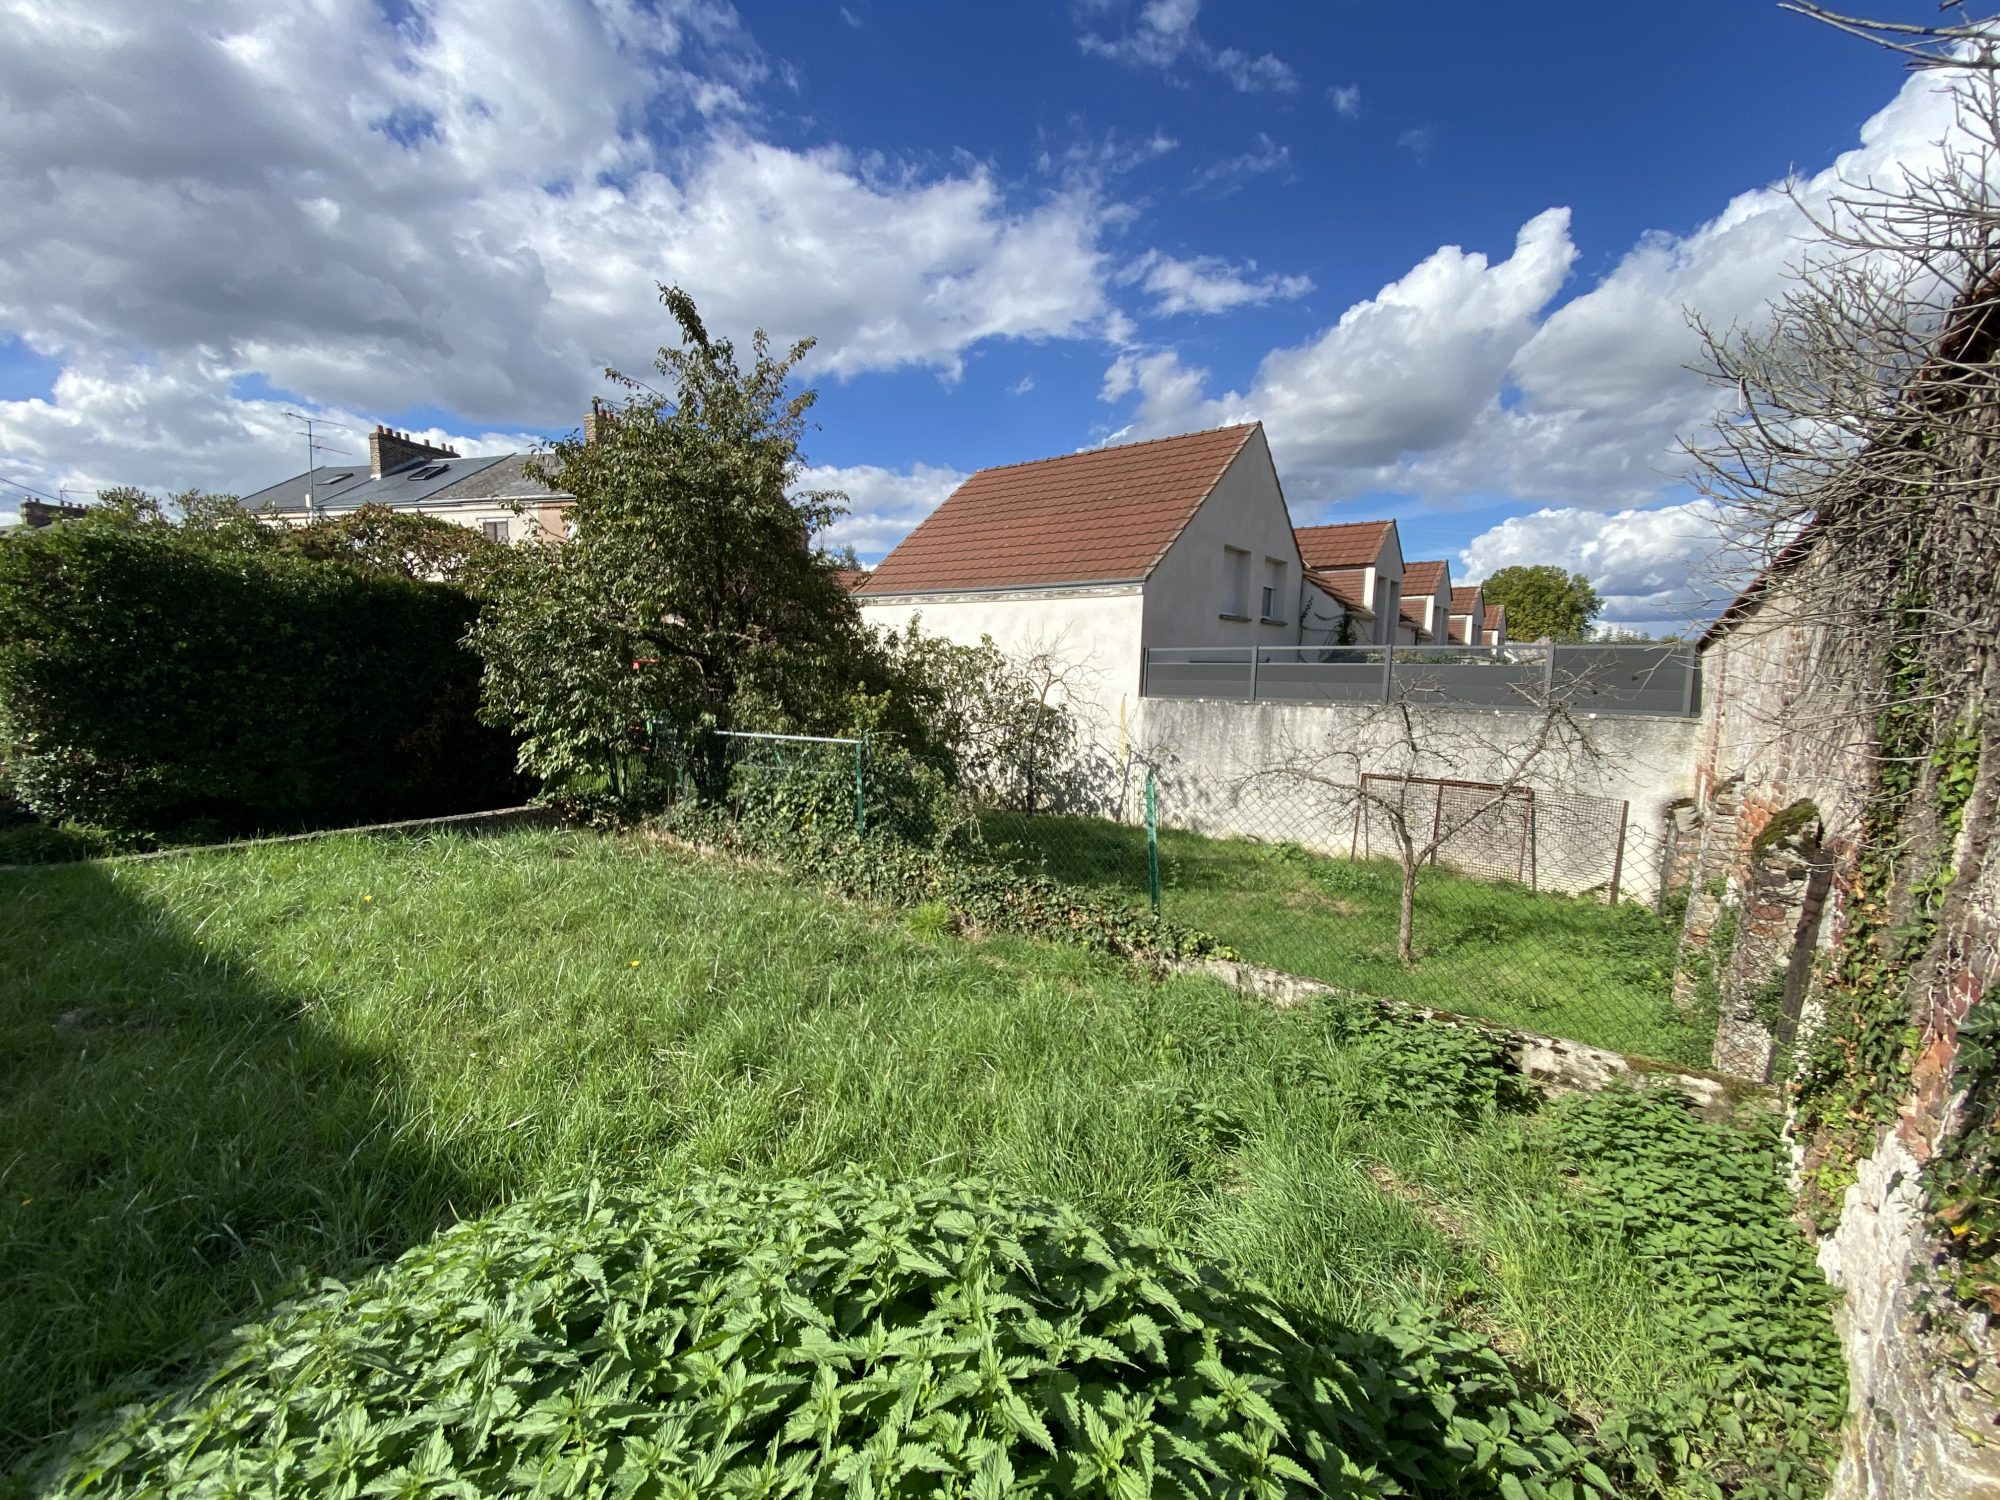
point(1406, 915)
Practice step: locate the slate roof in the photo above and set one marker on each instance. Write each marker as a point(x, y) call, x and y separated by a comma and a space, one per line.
point(1344, 584)
point(1351, 544)
point(350, 486)
point(1106, 515)
point(503, 479)
point(1421, 578)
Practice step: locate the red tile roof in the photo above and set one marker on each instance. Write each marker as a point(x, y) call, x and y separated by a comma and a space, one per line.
point(1496, 617)
point(1108, 514)
point(1455, 631)
point(1414, 618)
point(1463, 598)
point(1352, 544)
point(1344, 584)
point(1421, 578)
point(851, 578)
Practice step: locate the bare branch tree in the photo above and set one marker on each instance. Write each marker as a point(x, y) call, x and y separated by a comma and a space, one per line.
point(1394, 765)
point(1855, 460)
point(1934, 46)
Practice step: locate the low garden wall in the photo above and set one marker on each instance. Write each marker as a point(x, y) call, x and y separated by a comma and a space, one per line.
point(1208, 753)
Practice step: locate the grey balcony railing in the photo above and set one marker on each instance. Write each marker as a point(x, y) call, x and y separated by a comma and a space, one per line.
point(1643, 679)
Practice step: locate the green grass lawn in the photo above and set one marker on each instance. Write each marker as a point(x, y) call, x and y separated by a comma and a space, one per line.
point(1564, 966)
point(222, 1075)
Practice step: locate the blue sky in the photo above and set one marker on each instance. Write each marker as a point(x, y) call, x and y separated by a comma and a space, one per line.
point(1445, 260)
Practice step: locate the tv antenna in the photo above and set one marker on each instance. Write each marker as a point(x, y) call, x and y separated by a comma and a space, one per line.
point(313, 446)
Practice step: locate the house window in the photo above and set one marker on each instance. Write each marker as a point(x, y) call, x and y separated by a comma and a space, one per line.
point(1236, 582)
point(496, 531)
point(1274, 589)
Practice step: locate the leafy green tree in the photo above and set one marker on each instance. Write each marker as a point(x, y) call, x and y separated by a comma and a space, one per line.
point(216, 521)
point(373, 538)
point(1544, 601)
point(690, 594)
point(401, 542)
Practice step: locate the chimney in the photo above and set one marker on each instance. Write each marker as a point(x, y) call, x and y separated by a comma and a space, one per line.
point(35, 514)
point(600, 417)
point(389, 450)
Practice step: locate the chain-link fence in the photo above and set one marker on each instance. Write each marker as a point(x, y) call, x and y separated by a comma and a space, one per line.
point(1519, 899)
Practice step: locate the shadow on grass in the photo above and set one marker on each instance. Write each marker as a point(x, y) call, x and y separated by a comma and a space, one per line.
point(180, 1142)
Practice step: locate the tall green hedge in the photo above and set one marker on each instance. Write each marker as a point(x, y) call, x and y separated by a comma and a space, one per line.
point(155, 684)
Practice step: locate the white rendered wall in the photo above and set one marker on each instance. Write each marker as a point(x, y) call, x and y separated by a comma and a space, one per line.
point(1208, 753)
point(1189, 589)
point(1095, 632)
point(543, 515)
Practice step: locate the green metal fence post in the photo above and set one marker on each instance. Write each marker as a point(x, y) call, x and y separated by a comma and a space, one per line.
point(1152, 841)
point(861, 786)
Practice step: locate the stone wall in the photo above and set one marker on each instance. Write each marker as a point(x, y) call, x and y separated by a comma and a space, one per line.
point(1922, 1381)
point(1787, 728)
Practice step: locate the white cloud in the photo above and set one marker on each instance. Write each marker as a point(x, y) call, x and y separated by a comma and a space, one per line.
point(1419, 141)
point(1346, 100)
point(1022, 386)
point(884, 505)
point(1464, 379)
point(1087, 161)
point(1163, 36)
point(1249, 74)
point(177, 424)
point(1208, 284)
point(1657, 568)
point(1266, 156)
point(469, 210)
point(1399, 374)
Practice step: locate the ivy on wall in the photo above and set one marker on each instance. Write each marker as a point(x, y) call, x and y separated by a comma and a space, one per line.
point(1858, 1068)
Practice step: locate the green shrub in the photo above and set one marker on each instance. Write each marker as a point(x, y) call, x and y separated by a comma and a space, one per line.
point(153, 683)
point(884, 868)
point(827, 1337)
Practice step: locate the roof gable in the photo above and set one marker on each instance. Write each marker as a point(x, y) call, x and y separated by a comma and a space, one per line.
point(1420, 578)
point(1101, 516)
point(1465, 598)
point(1351, 544)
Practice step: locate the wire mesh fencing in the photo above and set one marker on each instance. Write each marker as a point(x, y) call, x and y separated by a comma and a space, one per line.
point(819, 780)
point(1513, 904)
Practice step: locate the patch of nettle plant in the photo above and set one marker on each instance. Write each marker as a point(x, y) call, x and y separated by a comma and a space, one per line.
point(836, 1336)
point(1706, 1209)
